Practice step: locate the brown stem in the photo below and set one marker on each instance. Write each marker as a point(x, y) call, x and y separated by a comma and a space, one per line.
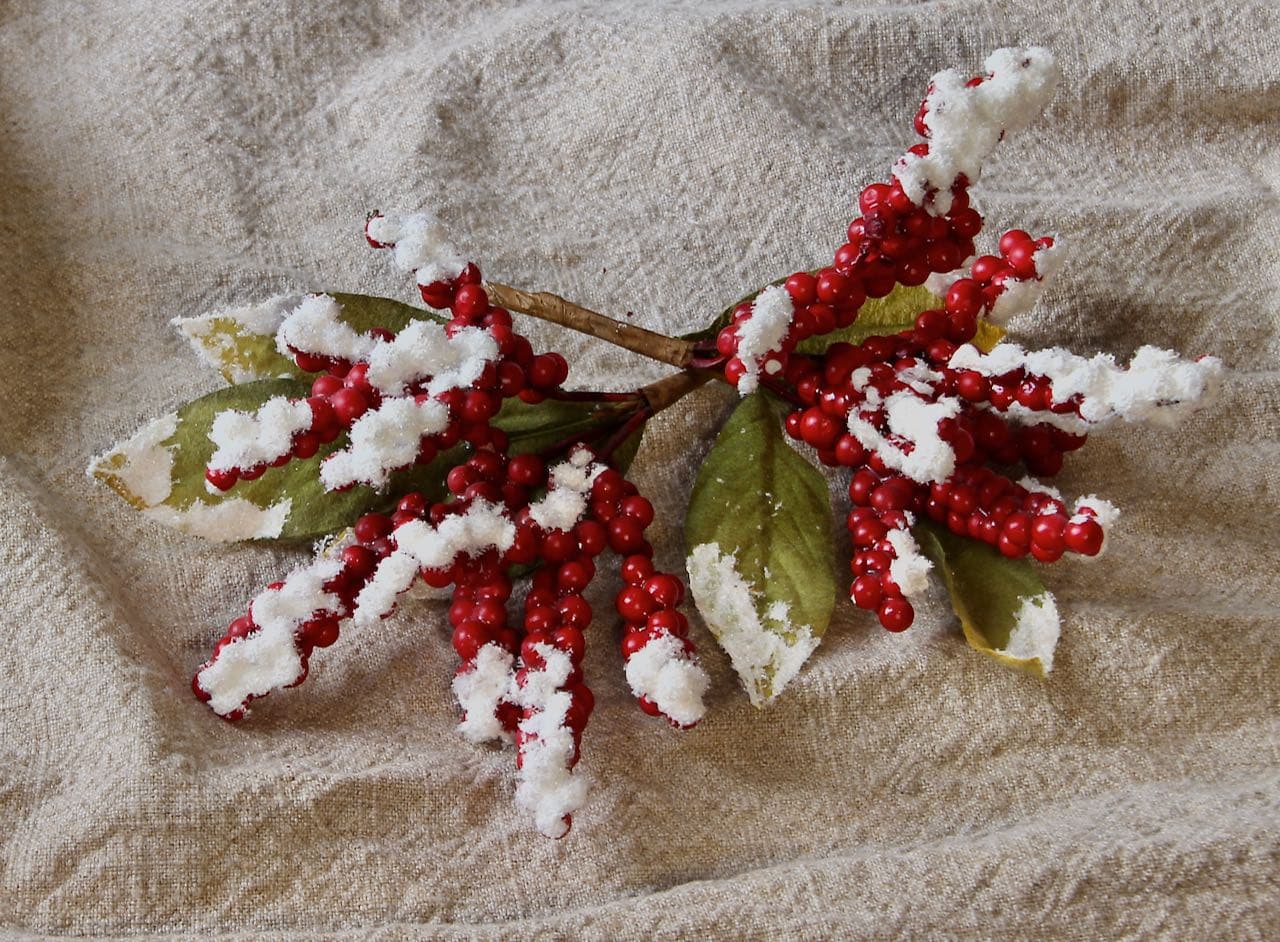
point(583, 395)
point(553, 308)
point(667, 391)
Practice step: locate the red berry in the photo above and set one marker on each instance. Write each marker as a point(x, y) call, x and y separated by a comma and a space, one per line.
point(669, 621)
point(371, 526)
point(727, 342)
point(359, 560)
point(469, 637)
point(490, 613)
point(574, 610)
point(896, 614)
point(873, 196)
point(539, 618)
point(478, 407)
point(833, 287)
point(571, 641)
point(626, 534)
point(819, 429)
point(573, 577)
point(593, 537)
point(223, 480)
point(803, 288)
point(470, 301)
point(547, 371)
point(1014, 238)
point(1047, 531)
point(526, 470)
point(866, 591)
point(348, 405)
point(320, 632)
point(325, 386)
point(639, 509)
point(665, 589)
point(1085, 537)
point(634, 603)
point(559, 546)
point(636, 569)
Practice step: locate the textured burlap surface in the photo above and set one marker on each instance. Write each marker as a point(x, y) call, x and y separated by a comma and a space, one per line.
point(162, 158)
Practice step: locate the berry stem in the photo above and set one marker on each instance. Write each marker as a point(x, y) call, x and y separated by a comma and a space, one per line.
point(555, 309)
point(624, 431)
point(669, 390)
point(584, 395)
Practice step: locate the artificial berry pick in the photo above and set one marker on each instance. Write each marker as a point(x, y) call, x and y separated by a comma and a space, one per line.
point(442, 451)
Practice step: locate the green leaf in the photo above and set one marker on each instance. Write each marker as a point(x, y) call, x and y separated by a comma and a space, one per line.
point(878, 317)
point(538, 427)
point(761, 555)
point(895, 312)
point(241, 342)
point(160, 469)
point(1004, 609)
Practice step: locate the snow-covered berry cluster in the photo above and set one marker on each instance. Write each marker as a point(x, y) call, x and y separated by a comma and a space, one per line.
point(917, 225)
point(919, 414)
point(930, 418)
point(400, 399)
point(521, 679)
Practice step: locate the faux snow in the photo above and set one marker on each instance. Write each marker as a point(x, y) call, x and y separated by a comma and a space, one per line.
point(268, 658)
point(1020, 295)
point(214, 336)
point(249, 439)
point(419, 545)
point(140, 468)
point(422, 350)
point(229, 519)
point(915, 420)
point(909, 569)
point(480, 689)
point(315, 327)
point(548, 786)
point(420, 245)
point(767, 657)
point(1159, 387)
point(966, 122)
point(762, 333)
point(663, 672)
point(383, 440)
point(568, 491)
point(1035, 631)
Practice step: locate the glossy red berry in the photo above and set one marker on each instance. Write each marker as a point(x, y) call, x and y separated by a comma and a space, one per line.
point(896, 614)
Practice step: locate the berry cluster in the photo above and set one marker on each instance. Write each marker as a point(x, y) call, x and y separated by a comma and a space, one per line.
point(906, 232)
point(927, 421)
point(919, 414)
point(433, 386)
point(491, 523)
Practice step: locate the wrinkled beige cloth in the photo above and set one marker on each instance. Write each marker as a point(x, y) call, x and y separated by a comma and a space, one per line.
point(166, 158)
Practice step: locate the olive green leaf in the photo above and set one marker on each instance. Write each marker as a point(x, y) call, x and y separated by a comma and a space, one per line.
point(761, 555)
point(240, 343)
point(160, 469)
point(1004, 609)
point(895, 312)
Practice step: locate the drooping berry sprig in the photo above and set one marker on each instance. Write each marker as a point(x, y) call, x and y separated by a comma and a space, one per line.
point(930, 421)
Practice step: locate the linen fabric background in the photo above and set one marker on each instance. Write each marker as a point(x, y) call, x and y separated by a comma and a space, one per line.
point(168, 158)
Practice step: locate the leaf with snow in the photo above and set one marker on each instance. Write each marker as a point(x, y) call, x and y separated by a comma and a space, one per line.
point(240, 342)
point(761, 554)
point(1004, 609)
point(160, 469)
